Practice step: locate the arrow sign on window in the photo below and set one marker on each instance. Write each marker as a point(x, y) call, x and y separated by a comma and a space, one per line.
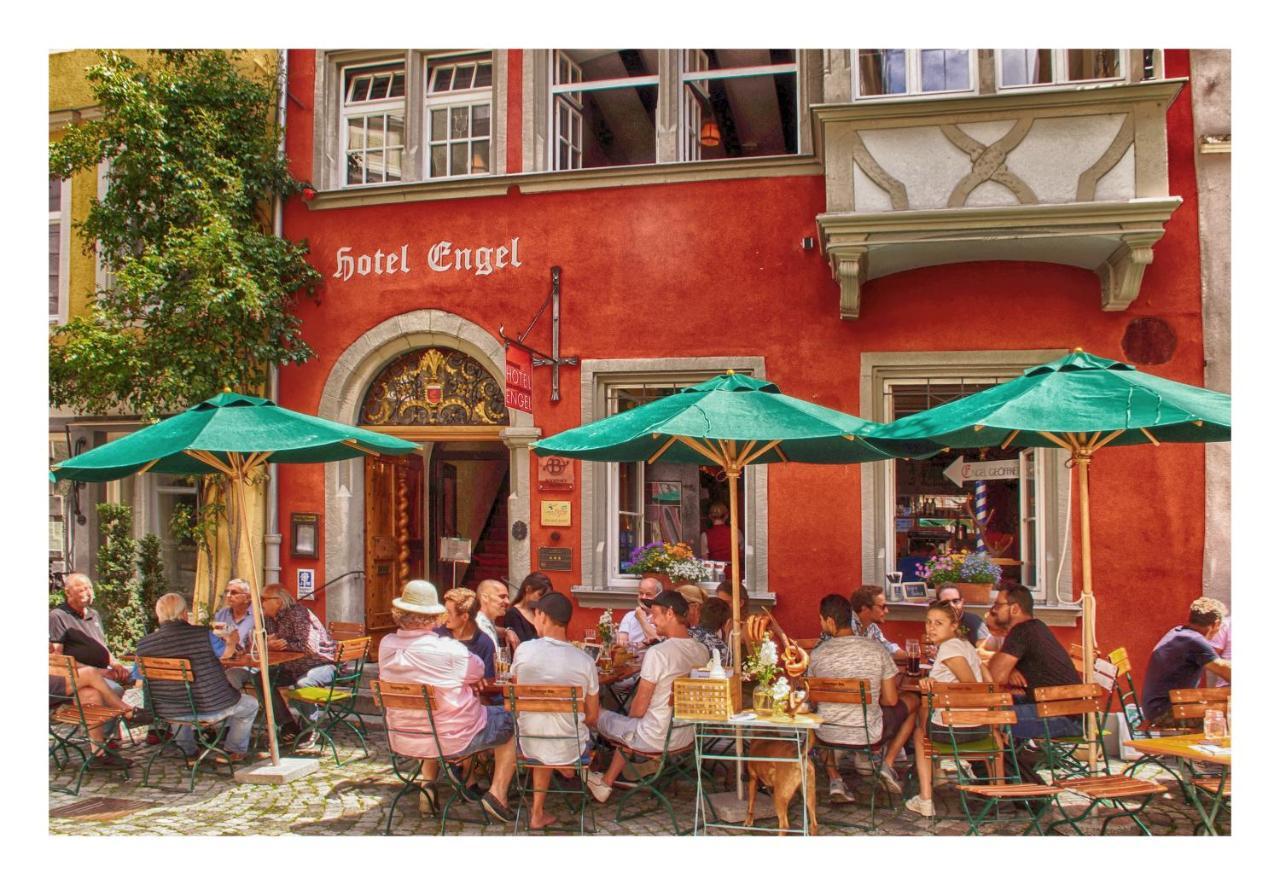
point(961, 471)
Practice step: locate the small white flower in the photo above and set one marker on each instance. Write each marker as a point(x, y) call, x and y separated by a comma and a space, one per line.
point(780, 688)
point(768, 652)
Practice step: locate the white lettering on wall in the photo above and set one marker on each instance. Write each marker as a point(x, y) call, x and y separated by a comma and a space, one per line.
point(442, 257)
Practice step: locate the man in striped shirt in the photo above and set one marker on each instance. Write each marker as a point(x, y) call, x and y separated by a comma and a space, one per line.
point(215, 698)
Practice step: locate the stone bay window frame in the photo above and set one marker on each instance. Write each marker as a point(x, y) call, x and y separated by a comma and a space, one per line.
point(603, 584)
point(1044, 508)
point(373, 96)
point(914, 76)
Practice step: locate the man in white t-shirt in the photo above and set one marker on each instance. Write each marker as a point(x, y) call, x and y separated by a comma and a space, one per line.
point(646, 728)
point(637, 627)
point(554, 738)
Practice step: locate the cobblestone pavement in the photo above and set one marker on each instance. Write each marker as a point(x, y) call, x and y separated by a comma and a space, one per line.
point(354, 799)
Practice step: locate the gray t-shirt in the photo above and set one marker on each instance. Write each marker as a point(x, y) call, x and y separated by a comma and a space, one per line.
point(663, 664)
point(852, 657)
point(552, 662)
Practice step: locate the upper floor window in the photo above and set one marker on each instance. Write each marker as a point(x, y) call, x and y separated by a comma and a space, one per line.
point(59, 243)
point(373, 111)
point(459, 98)
point(604, 104)
point(738, 103)
point(1045, 67)
point(883, 73)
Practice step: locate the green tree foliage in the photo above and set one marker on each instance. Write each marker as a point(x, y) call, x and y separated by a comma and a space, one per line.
point(116, 592)
point(203, 291)
point(152, 584)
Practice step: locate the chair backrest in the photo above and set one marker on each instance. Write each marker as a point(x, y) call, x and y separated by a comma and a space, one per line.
point(63, 667)
point(341, 630)
point(1127, 691)
point(402, 695)
point(1070, 700)
point(355, 649)
point(991, 709)
point(544, 699)
point(839, 691)
point(1190, 703)
point(167, 670)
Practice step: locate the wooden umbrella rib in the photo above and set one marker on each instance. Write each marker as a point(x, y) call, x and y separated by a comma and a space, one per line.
point(1108, 438)
point(1147, 434)
point(762, 451)
point(206, 458)
point(1008, 439)
point(1056, 440)
point(702, 449)
point(152, 463)
point(359, 448)
point(663, 450)
point(744, 457)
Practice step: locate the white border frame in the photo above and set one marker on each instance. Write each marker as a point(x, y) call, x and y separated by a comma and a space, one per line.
point(382, 106)
point(466, 97)
point(555, 90)
point(1058, 62)
point(686, 139)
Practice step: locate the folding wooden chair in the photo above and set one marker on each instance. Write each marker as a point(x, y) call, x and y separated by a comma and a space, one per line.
point(337, 700)
point(673, 765)
point(82, 719)
point(854, 692)
point(178, 670)
point(1113, 790)
point(565, 699)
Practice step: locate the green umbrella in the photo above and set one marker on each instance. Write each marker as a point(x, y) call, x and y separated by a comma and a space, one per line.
point(1081, 403)
point(232, 434)
point(730, 421)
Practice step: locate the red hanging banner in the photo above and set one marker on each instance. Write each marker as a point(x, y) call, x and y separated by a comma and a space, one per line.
point(519, 380)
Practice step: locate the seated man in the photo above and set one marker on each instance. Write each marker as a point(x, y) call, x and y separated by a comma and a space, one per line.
point(849, 656)
point(294, 627)
point(636, 630)
point(495, 599)
point(461, 625)
point(1180, 659)
point(76, 626)
point(237, 612)
point(415, 653)
point(646, 728)
point(559, 738)
point(972, 628)
point(869, 612)
point(710, 632)
point(215, 698)
point(1030, 657)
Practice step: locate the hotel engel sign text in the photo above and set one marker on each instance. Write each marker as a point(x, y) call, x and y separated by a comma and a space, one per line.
point(440, 257)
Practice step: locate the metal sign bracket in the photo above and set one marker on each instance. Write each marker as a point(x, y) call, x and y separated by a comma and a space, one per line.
point(554, 359)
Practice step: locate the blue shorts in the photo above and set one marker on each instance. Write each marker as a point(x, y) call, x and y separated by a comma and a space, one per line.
point(499, 728)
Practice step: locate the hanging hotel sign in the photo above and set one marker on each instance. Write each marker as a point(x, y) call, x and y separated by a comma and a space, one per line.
point(519, 380)
point(961, 472)
point(555, 474)
point(440, 257)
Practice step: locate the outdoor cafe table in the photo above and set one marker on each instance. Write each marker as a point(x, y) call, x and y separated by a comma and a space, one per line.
point(776, 726)
point(609, 681)
point(1188, 749)
point(274, 659)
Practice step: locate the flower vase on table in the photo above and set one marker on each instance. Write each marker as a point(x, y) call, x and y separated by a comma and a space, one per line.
point(762, 699)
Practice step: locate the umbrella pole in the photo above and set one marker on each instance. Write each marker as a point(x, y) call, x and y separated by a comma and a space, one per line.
point(1087, 601)
point(240, 478)
point(732, 474)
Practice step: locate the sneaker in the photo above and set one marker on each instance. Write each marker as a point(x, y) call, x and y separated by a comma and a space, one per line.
point(623, 783)
point(922, 807)
point(966, 769)
point(838, 792)
point(599, 789)
point(308, 742)
point(862, 765)
point(890, 780)
point(496, 810)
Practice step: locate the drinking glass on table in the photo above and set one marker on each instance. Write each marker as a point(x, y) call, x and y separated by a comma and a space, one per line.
point(1215, 726)
point(913, 657)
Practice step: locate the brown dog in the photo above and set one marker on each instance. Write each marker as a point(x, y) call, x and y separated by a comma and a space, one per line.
point(782, 776)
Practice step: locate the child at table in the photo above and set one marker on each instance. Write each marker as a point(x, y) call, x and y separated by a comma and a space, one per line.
point(956, 661)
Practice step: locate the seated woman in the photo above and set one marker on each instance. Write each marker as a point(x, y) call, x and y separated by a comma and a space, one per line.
point(520, 615)
point(294, 627)
point(956, 661)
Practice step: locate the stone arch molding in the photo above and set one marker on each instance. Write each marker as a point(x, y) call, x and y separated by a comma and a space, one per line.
point(344, 480)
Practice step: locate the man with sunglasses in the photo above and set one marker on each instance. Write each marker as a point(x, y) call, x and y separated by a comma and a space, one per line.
point(1030, 658)
point(237, 611)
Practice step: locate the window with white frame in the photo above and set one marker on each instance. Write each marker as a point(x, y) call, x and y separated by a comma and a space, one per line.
point(459, 99)
point(373, 112)
point(738, 103)
point(887, 73)
point(1045, 67)
point(663, 501)
point(59, 246)
point(604, 104)
point(167, 491)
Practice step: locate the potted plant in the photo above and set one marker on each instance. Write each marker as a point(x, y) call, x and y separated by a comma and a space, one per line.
point(671, 564)
point(762, 666)
point(605, 629)
point(974, 574)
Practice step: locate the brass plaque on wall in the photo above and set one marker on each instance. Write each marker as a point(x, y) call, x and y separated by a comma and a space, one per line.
point(557, 513)
point(555, 559)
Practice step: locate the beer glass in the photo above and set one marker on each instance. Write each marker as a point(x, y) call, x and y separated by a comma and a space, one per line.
point(1215, 726)
point(913, 657)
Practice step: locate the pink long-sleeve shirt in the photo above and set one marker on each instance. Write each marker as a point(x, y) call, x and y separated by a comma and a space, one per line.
point(420, 656)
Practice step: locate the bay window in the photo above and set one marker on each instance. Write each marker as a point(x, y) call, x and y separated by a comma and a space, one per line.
point(884, 73)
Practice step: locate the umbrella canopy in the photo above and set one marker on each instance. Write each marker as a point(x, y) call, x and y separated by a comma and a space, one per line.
point(1081, 393)
point(1080, 403)
point(232, 434)
point(229, 423)
point(729, 408)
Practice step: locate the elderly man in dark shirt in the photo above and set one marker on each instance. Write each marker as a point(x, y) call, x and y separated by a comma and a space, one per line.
point(215, 697)
point(1031, 657)
point(75, 628)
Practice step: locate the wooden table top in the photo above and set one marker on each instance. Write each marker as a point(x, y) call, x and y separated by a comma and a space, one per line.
point(1183, 746)
point(273, 658)
point(773, 720)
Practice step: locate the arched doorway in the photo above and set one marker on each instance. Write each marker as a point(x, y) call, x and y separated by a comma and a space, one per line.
point(457, 488)
point(417, 401)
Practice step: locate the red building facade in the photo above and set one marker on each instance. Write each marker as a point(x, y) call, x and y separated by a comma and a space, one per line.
point(862, 239)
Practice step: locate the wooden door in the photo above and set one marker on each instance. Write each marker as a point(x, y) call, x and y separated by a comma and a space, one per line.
point(393, 534)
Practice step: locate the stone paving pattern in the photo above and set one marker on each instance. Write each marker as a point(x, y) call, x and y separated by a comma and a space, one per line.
point(353, 800)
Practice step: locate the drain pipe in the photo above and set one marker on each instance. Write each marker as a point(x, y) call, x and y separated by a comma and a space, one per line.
point(272, 538)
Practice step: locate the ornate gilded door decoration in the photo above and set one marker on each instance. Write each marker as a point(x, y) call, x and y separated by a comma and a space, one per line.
point(434, 386)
